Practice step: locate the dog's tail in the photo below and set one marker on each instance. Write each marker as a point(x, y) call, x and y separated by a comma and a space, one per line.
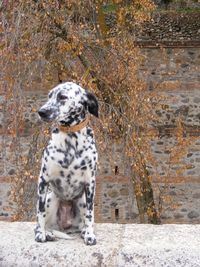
point(62, 235)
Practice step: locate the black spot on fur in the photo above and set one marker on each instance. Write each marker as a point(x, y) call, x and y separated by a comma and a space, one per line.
point(79, 153)
point(42, 185)
point(73, 135)
point(82, 162)
point(41, 205)
point(76, 167)
point(56, 130)
point(44, 169)
point(89, 197)
point(84, 168)
point(89, 132)
point(89, 217)
point(62, 173)
point(47, 151)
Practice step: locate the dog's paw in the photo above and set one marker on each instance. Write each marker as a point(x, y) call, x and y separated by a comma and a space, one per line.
point(90, 239)
point(42, 236)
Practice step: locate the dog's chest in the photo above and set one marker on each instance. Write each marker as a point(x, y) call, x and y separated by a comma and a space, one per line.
point(70, 162)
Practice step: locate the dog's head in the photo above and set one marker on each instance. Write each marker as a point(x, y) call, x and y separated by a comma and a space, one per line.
point(68, 104)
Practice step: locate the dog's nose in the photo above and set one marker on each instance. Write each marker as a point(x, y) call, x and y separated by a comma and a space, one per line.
point(44, 113)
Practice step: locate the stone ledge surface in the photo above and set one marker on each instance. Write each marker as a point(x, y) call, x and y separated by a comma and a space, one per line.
point(118, 245)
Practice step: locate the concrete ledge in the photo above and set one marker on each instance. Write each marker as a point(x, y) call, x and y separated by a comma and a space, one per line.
point(118, 245)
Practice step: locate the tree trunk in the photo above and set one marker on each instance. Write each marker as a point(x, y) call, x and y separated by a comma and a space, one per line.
point(145, 199)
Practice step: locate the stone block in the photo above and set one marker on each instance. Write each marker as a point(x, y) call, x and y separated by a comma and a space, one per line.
point(117, 245)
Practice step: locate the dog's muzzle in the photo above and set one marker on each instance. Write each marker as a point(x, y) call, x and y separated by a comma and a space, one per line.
point(46, 114)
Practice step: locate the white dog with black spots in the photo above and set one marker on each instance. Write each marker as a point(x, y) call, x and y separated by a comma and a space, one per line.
point(66, 185)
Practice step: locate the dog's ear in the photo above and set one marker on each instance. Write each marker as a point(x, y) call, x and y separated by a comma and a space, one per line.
point(92, 104)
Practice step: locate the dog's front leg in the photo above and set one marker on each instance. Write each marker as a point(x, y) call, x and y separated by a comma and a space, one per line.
point(88, 234)
point(40, 234)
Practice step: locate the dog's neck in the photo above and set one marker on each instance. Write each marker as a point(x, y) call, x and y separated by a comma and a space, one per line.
point(74, 128)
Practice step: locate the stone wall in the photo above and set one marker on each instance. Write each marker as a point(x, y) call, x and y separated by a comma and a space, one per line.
point(6, 205)
point(181, 201)
point(181, 5)
point(170, 28)
point(173, 73)
point(9, 156)
point(170, 71)
point(115, 201)
point(187, 166)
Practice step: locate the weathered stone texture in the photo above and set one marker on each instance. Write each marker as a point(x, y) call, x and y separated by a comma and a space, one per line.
point(110, 161)
point(171, 68)
point(170, 27)
point(180, 202)
point(187, 165)
point(7, 161)
point(7, 207)
point(117, 246)
point(114, 200)
point(182, 105)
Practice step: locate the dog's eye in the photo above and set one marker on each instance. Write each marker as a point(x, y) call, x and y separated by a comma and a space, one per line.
point(62, 97)
point(50, 95)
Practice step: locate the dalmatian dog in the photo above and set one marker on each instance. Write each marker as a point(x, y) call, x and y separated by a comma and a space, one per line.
point(66, 185)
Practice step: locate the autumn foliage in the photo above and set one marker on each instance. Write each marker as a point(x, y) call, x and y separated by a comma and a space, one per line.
point(91, 43)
